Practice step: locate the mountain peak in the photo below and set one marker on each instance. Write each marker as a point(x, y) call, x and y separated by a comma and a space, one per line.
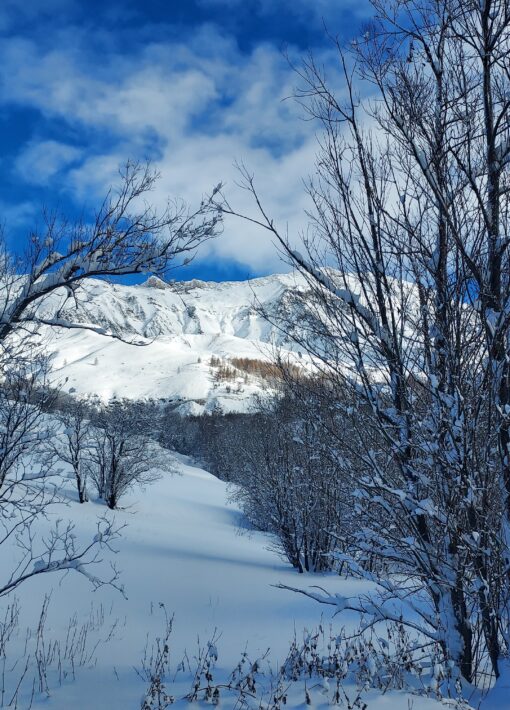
point(155, 282)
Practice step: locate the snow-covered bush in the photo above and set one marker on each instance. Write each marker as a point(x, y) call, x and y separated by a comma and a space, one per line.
point(155, 668)
point(287, 479)
point(289, 484)
point(120, 453)
point(35, 661)
point(330, 669)
point(30, 484)
point(72, 444)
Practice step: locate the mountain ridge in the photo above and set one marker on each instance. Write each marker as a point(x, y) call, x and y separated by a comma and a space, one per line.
point(183, 325)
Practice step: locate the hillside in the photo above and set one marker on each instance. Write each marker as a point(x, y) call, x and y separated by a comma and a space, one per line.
point(177, 329)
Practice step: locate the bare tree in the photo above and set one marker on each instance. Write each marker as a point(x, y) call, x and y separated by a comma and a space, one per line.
point(30, 486)
point(126, 236)
point(23, 429)
point(72, 443)
point(415, 318)
point(120, 456)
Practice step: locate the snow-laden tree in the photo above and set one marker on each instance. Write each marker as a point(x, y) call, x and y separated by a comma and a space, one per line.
point(125, 236)
point(411, 206)
point(121, 454)
point(30, 485)
point(72, 444)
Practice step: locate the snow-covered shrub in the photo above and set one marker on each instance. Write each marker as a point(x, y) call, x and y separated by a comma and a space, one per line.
point(121, 453)
point(330, 669)
point(155, 667)
point(30, 483)
point(286, 477)
point(72, 443)
point(24, 430)
point(178, 433)
point(34, 662)
point(289, 485)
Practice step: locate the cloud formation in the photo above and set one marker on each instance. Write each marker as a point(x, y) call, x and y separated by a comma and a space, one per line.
point(194, 106)
point(40, 161)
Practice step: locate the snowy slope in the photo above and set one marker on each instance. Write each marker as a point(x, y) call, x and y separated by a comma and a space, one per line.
point(182, 547)
point(181, 325)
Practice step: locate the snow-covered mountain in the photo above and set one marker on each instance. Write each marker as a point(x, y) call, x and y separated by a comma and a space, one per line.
point(182, 325)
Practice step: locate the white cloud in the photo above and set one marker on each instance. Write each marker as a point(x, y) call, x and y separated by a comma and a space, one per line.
point(18, 216)
point(40, 161)
point(198, 105)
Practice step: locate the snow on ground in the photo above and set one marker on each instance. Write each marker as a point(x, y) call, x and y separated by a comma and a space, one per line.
point(182, 326)
point(170, 368)
point(184, 546)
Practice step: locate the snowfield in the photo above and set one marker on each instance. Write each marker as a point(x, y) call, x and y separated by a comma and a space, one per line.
point(184, 546)
point(181, 325)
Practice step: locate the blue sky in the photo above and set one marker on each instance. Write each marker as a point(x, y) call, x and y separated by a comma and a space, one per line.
point(194, 85)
